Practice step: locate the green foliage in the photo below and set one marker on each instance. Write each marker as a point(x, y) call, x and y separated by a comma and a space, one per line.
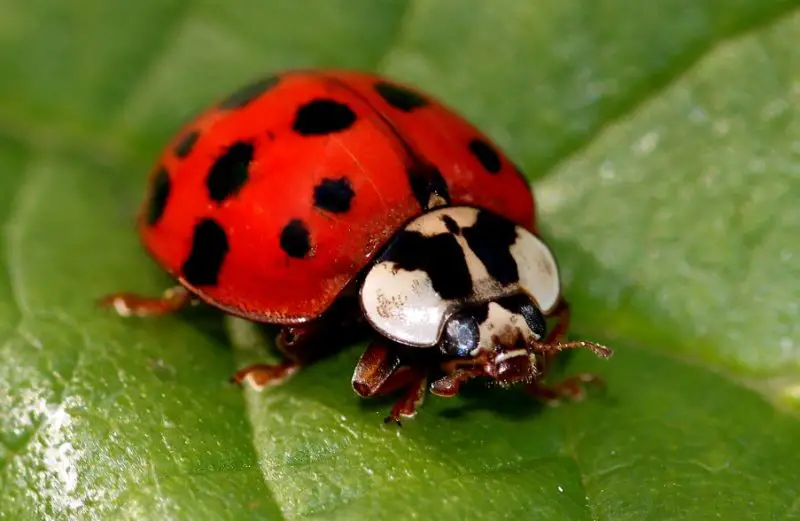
point(663, 141)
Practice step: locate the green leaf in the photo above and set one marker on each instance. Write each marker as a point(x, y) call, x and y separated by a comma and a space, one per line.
point(663, 140)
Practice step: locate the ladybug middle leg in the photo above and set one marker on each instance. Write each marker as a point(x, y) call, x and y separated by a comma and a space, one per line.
point(133, 305)
point(302, 345)
point(299, 345)
point(571, 387)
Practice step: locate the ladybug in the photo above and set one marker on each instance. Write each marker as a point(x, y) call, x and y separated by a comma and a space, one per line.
point(332, 201)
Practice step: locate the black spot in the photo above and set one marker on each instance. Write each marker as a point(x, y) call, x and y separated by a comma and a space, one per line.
point(159, 194)
point(451, 224)
point(295, 239)
point(229, 172)
point(209, 248)
point(400, 97)
point(426, 181)
point(323, 116)
point(522, 305)
point(490, 238)
point(334, 195)
point(439, 256)
point(248, 93)
point(486, 154)
point(186, 144)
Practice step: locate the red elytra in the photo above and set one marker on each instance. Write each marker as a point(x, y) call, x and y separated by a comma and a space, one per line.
point(271, 202)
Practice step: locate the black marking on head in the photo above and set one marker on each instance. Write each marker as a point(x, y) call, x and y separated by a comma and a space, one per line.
point(323, 116)
point(439, 256)
point(486, 154)
point(159, 194)
point(451, 224)
point(522, 305)
point(295, 239)
point(491, 238)
point(229, 172)
point(334, 195)
point(248, 93)
point(186, 144)
point(209, 248)
point(399, 97)
point(426, 181)
point(480, 311)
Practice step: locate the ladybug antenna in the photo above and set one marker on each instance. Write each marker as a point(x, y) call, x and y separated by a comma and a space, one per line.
point(555, 347)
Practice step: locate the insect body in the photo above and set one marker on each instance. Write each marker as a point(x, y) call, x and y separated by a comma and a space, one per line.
point(330, 199)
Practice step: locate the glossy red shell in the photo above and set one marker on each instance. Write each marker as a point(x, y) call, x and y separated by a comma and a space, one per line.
point(256, 278)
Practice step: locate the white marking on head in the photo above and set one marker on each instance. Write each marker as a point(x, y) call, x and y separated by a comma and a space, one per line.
point(502, 326)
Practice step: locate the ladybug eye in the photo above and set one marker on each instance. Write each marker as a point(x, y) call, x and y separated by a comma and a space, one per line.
point(461, 336)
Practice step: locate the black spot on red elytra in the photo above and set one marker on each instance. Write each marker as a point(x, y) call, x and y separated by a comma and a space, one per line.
point(486, 155)
point(230, 171)
point(186, 144)
point(323, 116)
point(440, 256)
point(491, 238)
point(295, 239)
point(159, 194)
point(399, 97)
point(248, 93)
point(334, 195)
point(209, 248)
point(426, 181)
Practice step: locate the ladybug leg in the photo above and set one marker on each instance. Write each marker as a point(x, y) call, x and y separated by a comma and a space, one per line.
point(458, 372)
point(562, 316)
point(261, 376)
point(379, 372)
point(132, 305)
point(572, 387)
point(414, 382)
point(304, 344)
point(449, 385)
point(298, 346)
point(374, 368)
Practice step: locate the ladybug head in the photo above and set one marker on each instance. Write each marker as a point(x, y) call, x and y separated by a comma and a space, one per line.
point(500, 333)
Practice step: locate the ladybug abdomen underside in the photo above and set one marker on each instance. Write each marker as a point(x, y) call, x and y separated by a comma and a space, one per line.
point(271, 202)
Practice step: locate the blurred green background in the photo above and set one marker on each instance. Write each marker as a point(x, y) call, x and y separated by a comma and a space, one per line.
point(663, 142)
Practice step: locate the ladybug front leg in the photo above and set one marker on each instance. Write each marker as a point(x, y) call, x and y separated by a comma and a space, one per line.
point(133, 305)
point(374, 368)
point(414, 382)
point(379, 373)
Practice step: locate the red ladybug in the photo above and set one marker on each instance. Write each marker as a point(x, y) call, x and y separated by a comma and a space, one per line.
point(323, 200)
